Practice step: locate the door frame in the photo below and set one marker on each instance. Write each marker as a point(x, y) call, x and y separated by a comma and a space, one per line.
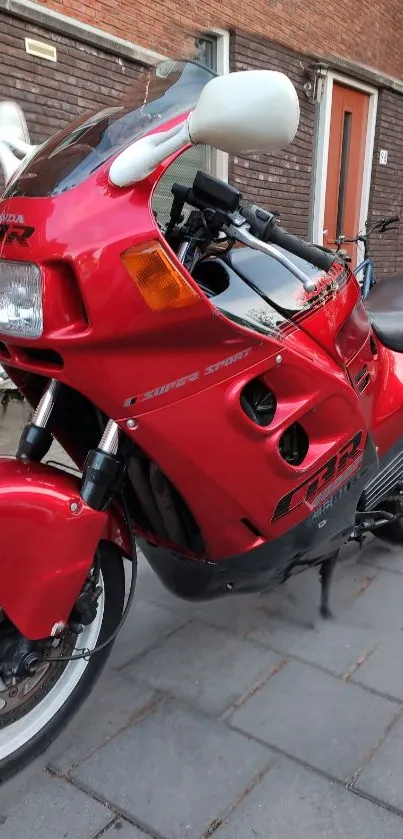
point(322, 149)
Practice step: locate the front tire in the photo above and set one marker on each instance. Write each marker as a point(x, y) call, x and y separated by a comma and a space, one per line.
point(65, 686)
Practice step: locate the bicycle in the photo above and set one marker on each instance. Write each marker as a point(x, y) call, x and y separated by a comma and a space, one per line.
point(366, 267)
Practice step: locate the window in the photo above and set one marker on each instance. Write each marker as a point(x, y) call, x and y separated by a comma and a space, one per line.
point(184, 169)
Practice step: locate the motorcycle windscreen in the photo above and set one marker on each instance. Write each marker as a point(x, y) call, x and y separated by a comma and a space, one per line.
point(159, 95)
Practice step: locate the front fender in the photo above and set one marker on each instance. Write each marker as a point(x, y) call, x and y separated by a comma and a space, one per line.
point(48, 538)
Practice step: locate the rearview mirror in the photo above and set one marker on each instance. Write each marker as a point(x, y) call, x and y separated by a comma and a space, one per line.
point(248, 112)
point(14, 136)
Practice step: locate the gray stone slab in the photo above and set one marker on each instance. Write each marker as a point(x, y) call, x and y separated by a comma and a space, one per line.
point(297, 602)
point(280, 635)
point(175, 771)
point(205, 666)
point(386, 556)
point(336, 647)
point(238, 614)
point(123, 830)
point(383, 670)
point(48, 808)
point(114, 703)
point(291, 802)
point(150, 589)
point(146, 625)
point(325, 722)
point(380, 606)
point(382, 776)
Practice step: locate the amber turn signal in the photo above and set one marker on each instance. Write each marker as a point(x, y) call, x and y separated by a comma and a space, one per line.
point(157, 279)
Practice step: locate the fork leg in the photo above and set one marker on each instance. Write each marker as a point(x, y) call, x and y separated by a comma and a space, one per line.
point(326, 576)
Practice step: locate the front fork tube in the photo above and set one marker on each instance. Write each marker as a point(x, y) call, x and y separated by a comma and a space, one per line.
point(36, 438)
point(103, 469)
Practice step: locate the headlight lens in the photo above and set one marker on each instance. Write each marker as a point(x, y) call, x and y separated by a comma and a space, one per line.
point(21, 314)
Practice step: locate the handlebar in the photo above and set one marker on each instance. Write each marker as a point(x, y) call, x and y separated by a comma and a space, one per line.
point(264, 226)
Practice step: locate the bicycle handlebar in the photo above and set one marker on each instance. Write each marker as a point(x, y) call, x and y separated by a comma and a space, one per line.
point(381, 225)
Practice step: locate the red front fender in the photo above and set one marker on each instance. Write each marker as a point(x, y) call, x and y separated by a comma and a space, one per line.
point(48, 538)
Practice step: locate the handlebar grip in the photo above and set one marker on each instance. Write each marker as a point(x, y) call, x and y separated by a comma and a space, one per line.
point(392, 220)
point(249, 214)
point(298, 247)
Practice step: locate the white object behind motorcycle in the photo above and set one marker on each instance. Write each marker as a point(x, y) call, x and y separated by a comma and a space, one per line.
point(249, 112)
point(13, 135)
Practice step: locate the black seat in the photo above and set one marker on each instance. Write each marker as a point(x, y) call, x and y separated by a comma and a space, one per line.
point(384, 305)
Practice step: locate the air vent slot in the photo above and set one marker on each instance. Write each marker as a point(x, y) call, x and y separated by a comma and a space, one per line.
point(252, 528)
point(258, 402)
point(294, 444)
point(41, 357)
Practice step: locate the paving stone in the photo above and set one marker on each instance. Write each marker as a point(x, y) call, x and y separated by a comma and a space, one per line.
point(205, 666)
point(298, 600)
point(123, 830)
point(238, 614)
point(291, 802)
point(150, 589)
point(335, 646)
point(113, 704)
point(175, 771)
point(280, 635)
point(386, 556)
point(382, 777)
point(50, 808)
point(380, 607)
point(146, 625)
point(325, 722)
point(383, 670)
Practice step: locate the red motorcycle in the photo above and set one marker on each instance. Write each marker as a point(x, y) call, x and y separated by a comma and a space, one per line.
point(230, 404)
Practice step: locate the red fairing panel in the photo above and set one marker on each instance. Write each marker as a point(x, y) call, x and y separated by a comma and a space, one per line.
point(46, 549)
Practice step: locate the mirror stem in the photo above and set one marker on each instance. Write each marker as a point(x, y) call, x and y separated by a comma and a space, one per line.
point(141, 158)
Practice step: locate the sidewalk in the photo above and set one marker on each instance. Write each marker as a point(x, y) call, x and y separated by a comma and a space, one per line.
point(238, 719)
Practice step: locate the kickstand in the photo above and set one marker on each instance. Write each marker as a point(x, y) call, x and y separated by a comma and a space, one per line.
point(326, 575)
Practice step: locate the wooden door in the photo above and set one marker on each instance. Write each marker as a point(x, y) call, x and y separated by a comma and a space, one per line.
point(345, 169)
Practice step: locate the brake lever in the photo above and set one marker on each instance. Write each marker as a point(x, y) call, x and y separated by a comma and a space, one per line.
point(239, 231)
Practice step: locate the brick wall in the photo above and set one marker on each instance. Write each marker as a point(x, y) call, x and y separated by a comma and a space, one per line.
point(54, 94)
point(386, 197)
point(361, 30)
point(280, 181)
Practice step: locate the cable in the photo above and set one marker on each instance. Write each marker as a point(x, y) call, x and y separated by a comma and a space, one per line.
point(87, 654)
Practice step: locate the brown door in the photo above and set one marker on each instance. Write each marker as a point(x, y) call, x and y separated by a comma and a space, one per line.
point(348, 131)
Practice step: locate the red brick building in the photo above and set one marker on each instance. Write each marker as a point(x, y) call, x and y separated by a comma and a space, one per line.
point(62, 57)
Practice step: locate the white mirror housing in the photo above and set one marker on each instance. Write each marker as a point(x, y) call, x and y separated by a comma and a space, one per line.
point(14, 135)
point(248, 112)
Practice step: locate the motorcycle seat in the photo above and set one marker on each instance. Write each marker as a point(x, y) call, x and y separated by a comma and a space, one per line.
point(384, 305)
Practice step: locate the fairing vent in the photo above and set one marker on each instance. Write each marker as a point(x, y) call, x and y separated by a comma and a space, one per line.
point(294, 444)
point(362, 379)
point(258, 402)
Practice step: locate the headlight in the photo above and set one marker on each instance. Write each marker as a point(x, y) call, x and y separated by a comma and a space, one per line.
point(21, 314)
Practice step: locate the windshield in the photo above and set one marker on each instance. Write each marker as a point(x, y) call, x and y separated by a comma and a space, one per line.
point(160, 94)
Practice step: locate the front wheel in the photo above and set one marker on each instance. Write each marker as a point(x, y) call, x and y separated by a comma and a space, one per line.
point(35, 709)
